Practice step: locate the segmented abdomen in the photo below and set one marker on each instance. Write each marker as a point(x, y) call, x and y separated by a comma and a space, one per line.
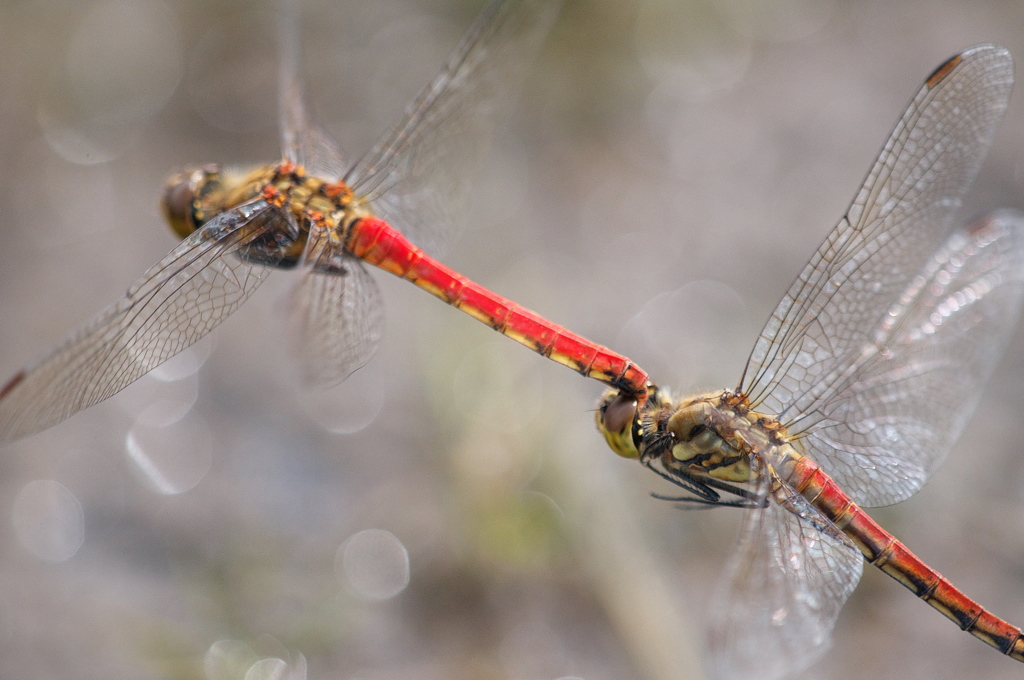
point(376, 242)
point(881, 549)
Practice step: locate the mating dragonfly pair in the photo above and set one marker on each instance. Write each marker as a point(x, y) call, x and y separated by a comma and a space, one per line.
point(855, 391)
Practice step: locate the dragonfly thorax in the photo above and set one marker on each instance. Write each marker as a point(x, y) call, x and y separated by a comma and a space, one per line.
point(698, 437)
point(299, 201)
point(194, 197)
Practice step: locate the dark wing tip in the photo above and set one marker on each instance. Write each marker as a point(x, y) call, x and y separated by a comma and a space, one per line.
point(942, 71)
point(977, 51)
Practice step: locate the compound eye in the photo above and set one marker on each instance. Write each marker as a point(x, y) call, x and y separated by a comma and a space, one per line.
point(615, 420)
point(176, 206)
point(619, 413)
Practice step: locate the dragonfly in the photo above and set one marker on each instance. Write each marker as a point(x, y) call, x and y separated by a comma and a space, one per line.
point(310, 214)
point(856, 389)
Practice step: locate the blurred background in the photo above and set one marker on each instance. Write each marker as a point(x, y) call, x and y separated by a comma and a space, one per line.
point(450, 512)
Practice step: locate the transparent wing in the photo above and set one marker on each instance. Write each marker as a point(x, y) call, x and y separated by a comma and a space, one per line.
point(782, 591)
point(836, 314)
point(418, 175)
point(337, 316)
point(301, 141)
point(179, 300)
point(291, 104)
point(336, 313)
point(900, 406)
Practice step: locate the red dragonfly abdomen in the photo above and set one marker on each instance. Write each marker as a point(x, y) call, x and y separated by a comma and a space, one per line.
point(881, 549)
point(377, 242)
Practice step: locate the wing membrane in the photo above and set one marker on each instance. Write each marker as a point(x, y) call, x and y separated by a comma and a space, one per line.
point(418, 175)
point(782, 592)
point(179, 300)
point(901, 406)
point(832, 329)
point(302, 142)
point(338, 316)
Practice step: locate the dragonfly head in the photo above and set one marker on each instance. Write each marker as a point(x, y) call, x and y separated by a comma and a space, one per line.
point(617, 420)
point(186, 200)
point(620, 419)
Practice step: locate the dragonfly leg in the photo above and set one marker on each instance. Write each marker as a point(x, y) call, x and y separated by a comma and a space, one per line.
point(704, 491)
point(692, 503)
